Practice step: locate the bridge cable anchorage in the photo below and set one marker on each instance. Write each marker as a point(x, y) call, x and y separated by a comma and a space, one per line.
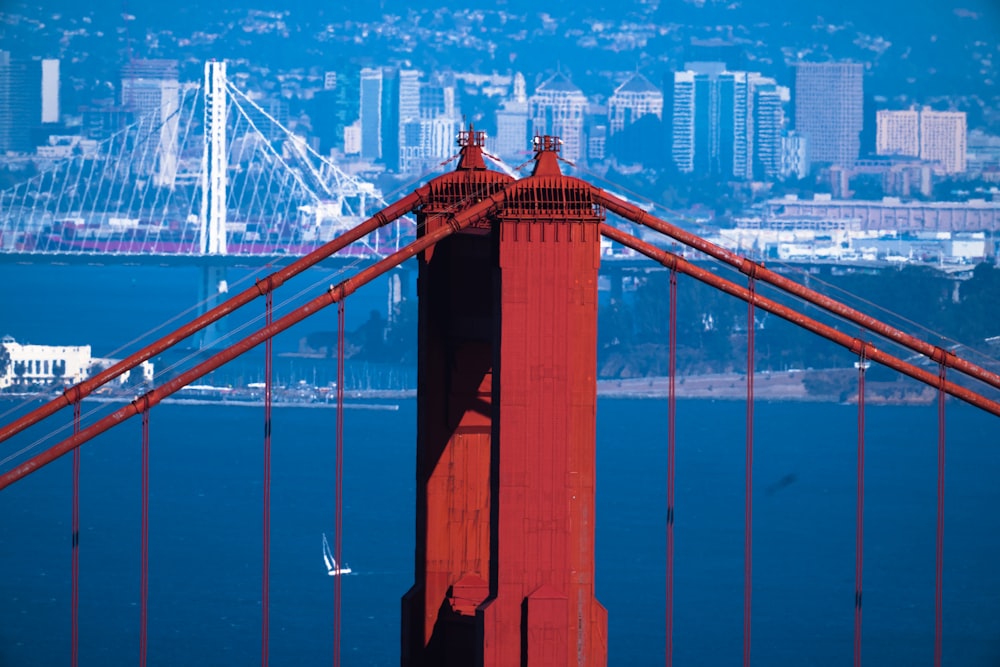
point(144, 568)
point(748, 536)
point(266, 522)
point(338, 485)
point(75, 549)
point(671, 465)
point(671, 261)
point(860, 519)
point(939, 558)
point(637, 215)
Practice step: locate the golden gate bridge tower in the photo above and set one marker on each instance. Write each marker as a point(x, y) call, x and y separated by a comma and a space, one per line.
point(504, 565)
point(507, 401)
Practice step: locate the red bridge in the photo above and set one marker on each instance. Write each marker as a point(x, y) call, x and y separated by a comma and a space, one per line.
point(505, 499)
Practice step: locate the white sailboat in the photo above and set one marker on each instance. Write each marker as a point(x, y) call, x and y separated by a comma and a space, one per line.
point(331, 563)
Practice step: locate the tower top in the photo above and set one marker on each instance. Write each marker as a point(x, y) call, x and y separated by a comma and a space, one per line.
point(546, 155)
point(471, 141)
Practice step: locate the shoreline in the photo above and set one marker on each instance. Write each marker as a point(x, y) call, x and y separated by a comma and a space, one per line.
point(780, 386)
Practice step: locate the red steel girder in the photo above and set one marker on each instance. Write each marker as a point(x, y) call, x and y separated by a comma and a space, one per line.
point(855, 345)
point(336, 293)
point(759, 272)
point(267, 284)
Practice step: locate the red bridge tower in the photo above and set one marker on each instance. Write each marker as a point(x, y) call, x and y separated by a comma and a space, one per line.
point(506, 423)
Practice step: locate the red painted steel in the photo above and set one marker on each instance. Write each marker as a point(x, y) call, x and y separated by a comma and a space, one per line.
point(144, 550)
point(338, 490)
point(939, 555)
point(542, 609)
point(933, 352)
point(455, 348)
point(265, 604)
point(339, 291)
point(75, 566)
point(859, 540)
point(855, 345)
point(264, 286)
point(748, 516)
point(671, 464)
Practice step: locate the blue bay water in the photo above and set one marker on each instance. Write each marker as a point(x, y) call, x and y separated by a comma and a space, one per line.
point(205, 525)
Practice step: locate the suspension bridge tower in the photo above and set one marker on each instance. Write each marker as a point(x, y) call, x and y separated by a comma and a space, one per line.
point(212, 220)
point(506, 424)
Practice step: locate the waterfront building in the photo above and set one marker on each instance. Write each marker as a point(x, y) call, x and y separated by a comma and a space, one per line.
point(557, 108)
point(829, 102)
point(890, 213)
point(65, 364)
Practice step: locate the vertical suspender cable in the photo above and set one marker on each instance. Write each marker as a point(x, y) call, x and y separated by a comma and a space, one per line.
point(338, 525)
point(671, 412)
point(75, 548)
point(144, 570)
point(860, 521)
point(939, 566)
point(748, 535)
point(266, 574)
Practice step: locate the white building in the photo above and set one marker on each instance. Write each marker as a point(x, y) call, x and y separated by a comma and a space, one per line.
point(933, 136)
point(44, 364)
point(557, 109)
point(897, 132)
point(632, 100)
point(942, 139)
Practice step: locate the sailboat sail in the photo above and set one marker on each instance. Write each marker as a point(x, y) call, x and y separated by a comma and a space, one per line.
point(331, 562)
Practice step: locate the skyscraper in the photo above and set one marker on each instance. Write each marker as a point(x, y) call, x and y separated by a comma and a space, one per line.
point(767, 121)
point(371, 113)
point(829, 103)
point(943, 139)
point(513, 140)
point(934, 136)
point(897, 132)
point(29, 98)
point(557, 108)
point(150, 90)
point(632, 100)
point(710, 120)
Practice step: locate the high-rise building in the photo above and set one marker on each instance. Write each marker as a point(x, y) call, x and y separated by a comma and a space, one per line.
point(430, 123)
point(943, 139)
point(410, 148)
point(371, 113)
point(897, 132)
point(933, 136)
point(829, 105)
point(557, 108)
point(765, 120)
point(150, 90)
point(709, 126)
point(794, 155)
point(632, 100)
point(513, 139)
point(29, 99)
